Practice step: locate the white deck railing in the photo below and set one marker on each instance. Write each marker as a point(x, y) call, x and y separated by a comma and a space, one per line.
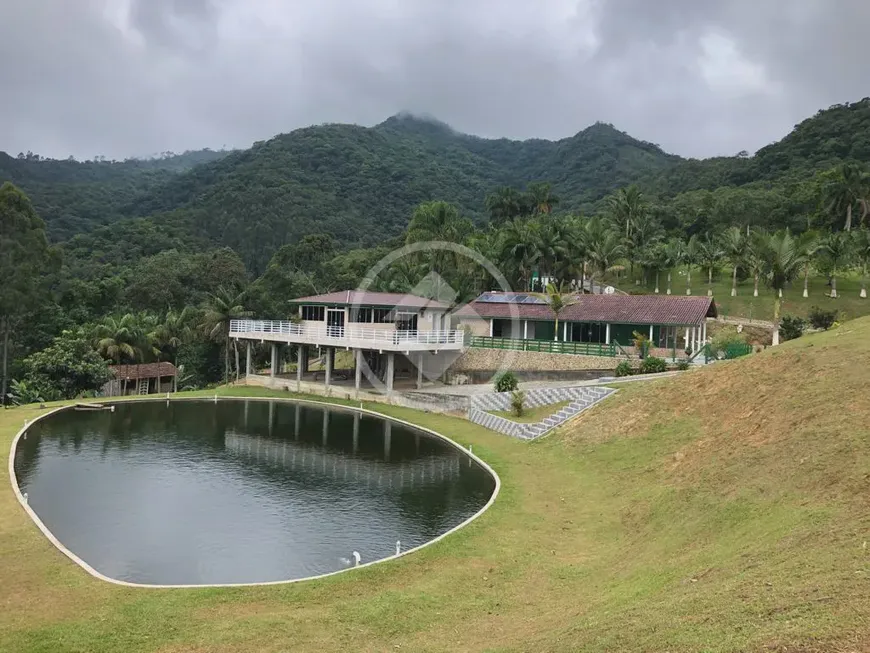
point(281, 330)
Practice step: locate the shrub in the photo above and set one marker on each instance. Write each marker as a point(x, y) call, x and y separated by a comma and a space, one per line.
point(624, 369)
point(822, 319)
point(518, 399)
point(653, 365)
point(506, 382)
point(682, 365)
point(791, 327)
point(725, 338)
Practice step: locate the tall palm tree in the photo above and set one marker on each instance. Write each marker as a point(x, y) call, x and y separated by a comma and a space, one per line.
point(504, 204)
point(846, 187)
point(691, 256)
point(540, 197)
point(604, 247)
point(556, 300)
point(734, 250)
point(520, 249)
point(645, 232)
point(673, 254)
point(781, 261)
point(174, 331)
point(626, 207)
point(119, 339)
point(655, 258)
point(836, 255)
point(710, 254)
point(222, 307)
point(755, 247)
point(862, 257)
point(552, 245)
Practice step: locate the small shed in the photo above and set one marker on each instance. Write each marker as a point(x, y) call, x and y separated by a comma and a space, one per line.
point(141, 379)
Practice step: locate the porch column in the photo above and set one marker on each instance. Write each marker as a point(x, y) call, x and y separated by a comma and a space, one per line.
point(490, 327)
point(420, 371)
point(650, 334)
point(391, 369)
point(300, 352)
point(564, 332)
point(248, 360)
point(704, 335)
point(357, 373)
point(688, 342)
point(525, 329)
point(274, 370)
point(329, 356)
point(607, 334)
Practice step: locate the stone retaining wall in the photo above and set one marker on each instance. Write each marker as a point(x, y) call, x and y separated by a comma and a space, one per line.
point(479, 359)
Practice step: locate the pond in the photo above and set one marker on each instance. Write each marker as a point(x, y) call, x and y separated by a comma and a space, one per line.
point(240, 491)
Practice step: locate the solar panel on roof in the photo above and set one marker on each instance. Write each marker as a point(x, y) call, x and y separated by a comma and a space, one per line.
point(510, 298)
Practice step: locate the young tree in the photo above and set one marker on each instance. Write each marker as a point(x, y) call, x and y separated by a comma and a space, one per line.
point(781, 261)
point(557, 302)
point(836, 255)
point(174, 331)
point(24, 257)
point(674, 254)
point(119, 339)
point(862, 257)
point(604, 247)
point(808, 244)
point(691, 256)
point(844, 189)
point(710, 254)
point(734, 250)
point(67, 368)
point(656, 258)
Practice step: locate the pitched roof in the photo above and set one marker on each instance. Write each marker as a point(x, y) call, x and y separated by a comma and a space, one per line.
point(615, 309)
point(359, 298)
point(143, 370)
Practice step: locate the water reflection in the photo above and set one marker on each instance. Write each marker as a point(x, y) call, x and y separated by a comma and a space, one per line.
point(240, 491)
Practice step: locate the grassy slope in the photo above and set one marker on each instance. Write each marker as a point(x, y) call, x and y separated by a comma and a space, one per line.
point(723, 510)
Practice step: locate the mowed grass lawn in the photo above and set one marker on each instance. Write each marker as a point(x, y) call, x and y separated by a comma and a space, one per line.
point(848, 303)
point(725, 509)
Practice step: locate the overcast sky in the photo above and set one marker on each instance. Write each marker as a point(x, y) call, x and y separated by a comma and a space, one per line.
point(698, 77)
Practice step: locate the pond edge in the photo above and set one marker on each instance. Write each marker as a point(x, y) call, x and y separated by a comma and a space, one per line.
point(365, 411)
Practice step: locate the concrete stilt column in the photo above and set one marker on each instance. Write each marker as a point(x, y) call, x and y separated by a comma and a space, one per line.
point(330, 358)
point(300, 352)
point(419, 371)
point(607, 335)
point(304, 349)
point(391, 372)
point(274, 369)
point(357, 372)
point(248, 359)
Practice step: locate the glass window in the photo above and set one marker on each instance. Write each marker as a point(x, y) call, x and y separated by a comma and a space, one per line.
point(361, 314)
point(314, 313)
point(384, 316)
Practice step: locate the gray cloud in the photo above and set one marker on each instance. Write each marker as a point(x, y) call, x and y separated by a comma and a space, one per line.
point(124, 77)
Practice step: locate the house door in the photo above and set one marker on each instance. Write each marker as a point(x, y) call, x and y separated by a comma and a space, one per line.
point(406, 322)
point(335, 323)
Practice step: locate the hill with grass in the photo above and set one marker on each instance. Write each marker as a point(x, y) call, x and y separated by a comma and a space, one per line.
point(721, 510)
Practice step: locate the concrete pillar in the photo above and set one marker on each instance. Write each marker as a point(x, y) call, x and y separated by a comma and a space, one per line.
point(419, 371)
point(355, 432)
point(357, 371)
point(688, 342)
point(650, 334)
point(300, 352)
point(490, 328)
point(330, 357)
point(525, 329)
point(388, 437)
point(274, 369)
point(607, 335)
point(704, 334)
point(304, 352)
point(391, 371)
point(564, 332)
point(248, 360)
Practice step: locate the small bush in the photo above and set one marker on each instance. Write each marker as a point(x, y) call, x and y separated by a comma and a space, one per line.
point(822, 319)
point(653, 365)
point(725, 338)
point(506, 382)
point(682, 365)
point(624, 369)
point(518, 400)
point(791, 327)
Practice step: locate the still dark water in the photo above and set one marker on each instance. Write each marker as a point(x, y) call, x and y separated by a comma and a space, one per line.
point(195, 492)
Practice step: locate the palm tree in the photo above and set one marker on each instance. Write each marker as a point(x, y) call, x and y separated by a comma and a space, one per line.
point(540, 198)
point(645, 232)
point(552, 245)
point(626, 207)
point(673, 254)
point(555, 296)
point(862, 257)
point(710, 253)
point(781, 261)
point(808, 243)
point(836, 255)
point(519, 248)
point(118, 338)
point(691, 256)
point(655, 257)
point(846, 187)
point(504, 204)
point(174, 331)
point(222, 307)
point(604, 247)
point(755, 243)
point(734, 250)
